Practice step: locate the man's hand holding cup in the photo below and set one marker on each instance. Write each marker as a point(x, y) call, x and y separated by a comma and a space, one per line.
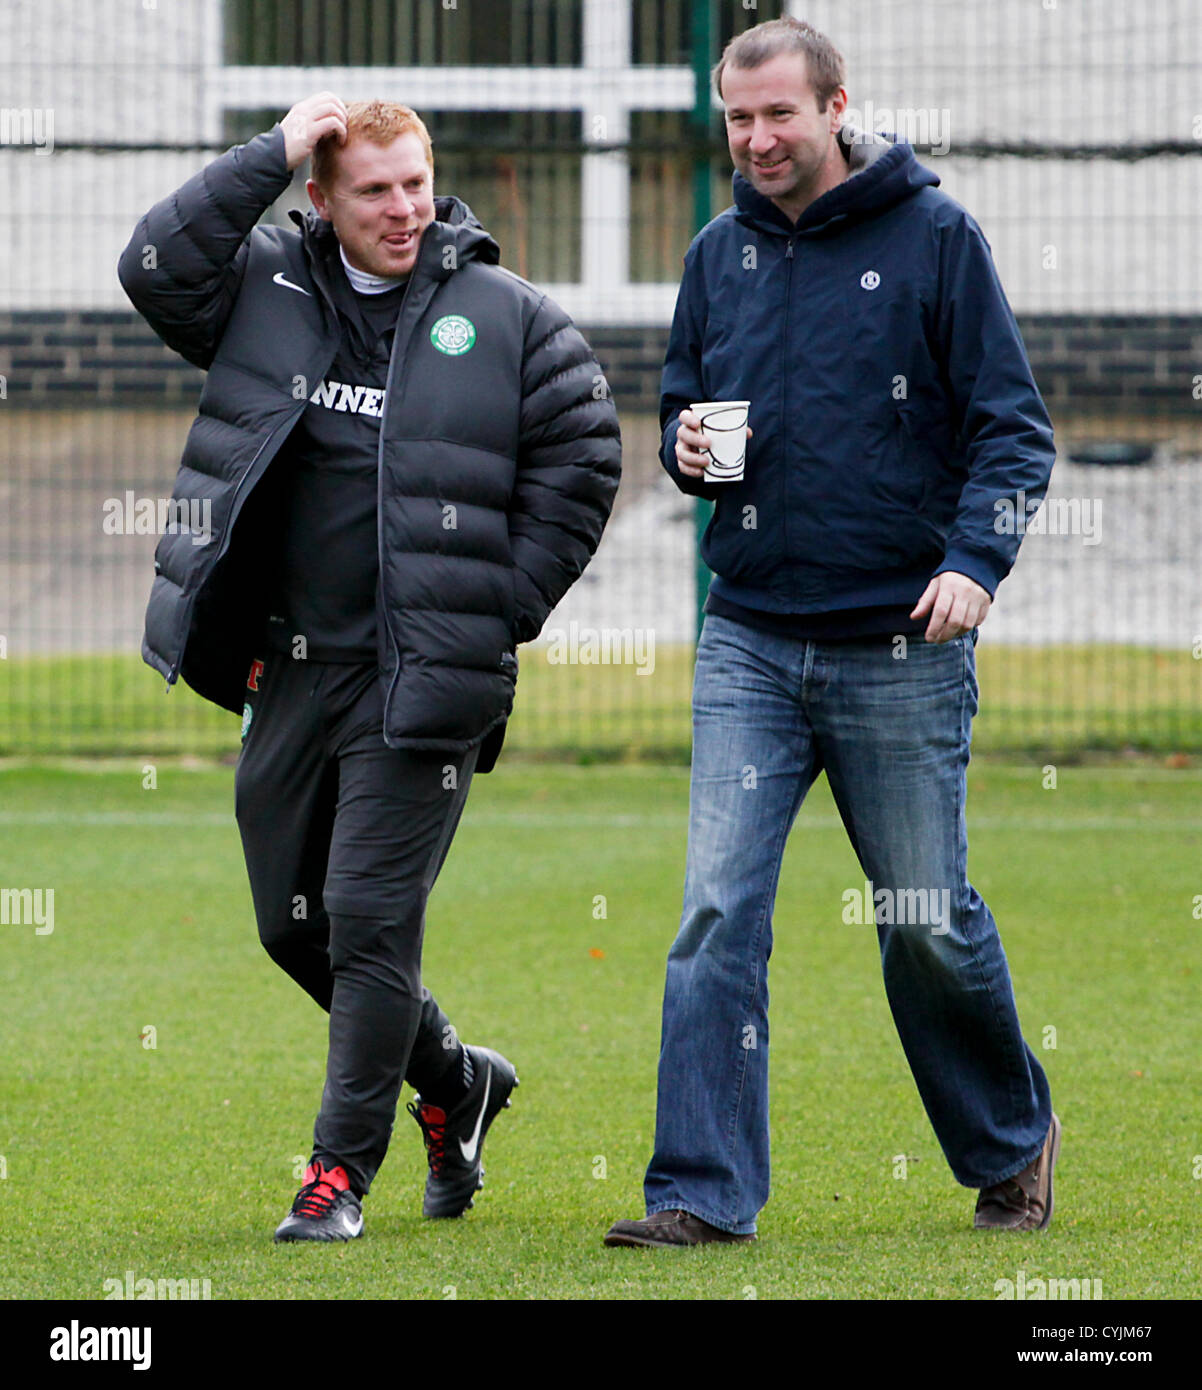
point(711, 440)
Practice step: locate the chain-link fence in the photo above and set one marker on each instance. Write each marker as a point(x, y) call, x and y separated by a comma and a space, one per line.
point(1071, 130)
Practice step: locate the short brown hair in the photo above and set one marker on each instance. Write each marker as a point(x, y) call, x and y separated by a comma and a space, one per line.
point(776, 36)
point(381, 122)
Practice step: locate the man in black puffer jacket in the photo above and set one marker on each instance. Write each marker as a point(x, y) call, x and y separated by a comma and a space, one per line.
point(405, 455)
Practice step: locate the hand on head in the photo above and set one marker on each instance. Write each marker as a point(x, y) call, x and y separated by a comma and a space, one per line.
point(308, 122)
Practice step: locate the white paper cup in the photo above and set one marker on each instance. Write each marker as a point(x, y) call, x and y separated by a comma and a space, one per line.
point(724, 424)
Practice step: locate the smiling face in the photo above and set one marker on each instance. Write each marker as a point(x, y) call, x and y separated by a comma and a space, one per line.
point(779, 140)
point(380, 201)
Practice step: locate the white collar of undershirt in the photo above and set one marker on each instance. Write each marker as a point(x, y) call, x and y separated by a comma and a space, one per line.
point(369, 284)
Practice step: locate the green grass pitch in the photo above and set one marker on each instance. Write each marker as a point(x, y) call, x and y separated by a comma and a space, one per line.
point(176, 1161)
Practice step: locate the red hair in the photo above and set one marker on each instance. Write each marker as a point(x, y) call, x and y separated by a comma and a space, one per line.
point(381, 122)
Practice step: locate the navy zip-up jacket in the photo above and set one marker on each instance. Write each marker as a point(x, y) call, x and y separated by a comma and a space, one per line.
point(892, 402)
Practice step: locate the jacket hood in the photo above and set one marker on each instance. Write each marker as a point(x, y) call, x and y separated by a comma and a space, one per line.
point(883, 172)
point(455, 224)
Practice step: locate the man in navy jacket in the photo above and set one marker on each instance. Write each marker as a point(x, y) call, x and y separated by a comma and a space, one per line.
point(892, 410)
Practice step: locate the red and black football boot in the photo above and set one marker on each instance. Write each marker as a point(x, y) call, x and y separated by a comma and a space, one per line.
point(325, 1208)
point(455, 1138)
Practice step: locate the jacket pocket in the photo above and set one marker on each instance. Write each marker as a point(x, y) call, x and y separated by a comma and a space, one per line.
point(886, 468)
point(912, 465)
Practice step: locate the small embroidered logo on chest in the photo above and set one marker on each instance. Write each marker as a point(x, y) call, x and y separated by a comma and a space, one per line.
point(869, 280)
point(453, 334)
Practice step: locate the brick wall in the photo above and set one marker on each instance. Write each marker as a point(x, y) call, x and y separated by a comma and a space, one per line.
point(1132, 364)
point(90, 357)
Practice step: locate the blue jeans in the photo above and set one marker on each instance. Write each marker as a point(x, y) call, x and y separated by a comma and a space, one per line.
point(892, 733)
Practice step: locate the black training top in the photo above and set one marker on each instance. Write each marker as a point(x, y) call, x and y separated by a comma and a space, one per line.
point(327, 474)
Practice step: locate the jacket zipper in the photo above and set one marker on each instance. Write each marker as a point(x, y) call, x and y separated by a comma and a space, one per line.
point(388, 401)
point(784, 408)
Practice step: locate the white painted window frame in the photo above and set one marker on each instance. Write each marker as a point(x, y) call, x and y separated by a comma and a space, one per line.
point(605, 90)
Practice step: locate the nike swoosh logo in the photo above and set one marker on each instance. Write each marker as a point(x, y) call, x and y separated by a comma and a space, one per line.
point(469, 1150)
point(354, 1225)
point(278, 277)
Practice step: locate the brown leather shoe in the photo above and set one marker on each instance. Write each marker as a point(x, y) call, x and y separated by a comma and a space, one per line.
point(672, 1228)
point(1023, 1202)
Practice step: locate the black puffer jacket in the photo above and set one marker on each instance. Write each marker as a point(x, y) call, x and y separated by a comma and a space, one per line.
point(516, 432)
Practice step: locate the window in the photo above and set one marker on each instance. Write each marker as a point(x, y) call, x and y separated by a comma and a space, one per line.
point(403, 33)
point(661, 33)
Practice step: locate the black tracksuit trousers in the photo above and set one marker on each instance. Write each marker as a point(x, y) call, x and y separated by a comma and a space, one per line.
point(343, 838)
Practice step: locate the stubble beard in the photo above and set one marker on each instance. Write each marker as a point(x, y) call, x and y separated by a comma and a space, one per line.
point(798, 189)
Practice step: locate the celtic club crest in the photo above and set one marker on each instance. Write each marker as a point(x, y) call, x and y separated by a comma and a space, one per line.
point(453, 334)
